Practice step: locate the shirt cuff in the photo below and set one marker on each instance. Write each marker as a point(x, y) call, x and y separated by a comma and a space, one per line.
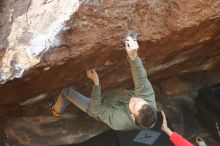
point(137, 61)
point(96, 90)
point(174, 136)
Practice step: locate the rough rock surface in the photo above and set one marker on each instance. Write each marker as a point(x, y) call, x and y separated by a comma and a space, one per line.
point(34, 126)
point(34, 26)
point(175, 37)
point(46, 45)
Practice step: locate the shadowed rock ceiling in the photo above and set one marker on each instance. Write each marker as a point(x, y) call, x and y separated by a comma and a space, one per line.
point(47, 45)
point(175, 37)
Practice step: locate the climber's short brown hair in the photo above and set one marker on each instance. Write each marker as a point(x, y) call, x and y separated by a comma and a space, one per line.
point(147, 116)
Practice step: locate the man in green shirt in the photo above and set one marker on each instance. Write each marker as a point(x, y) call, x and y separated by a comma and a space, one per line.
point(120, 109)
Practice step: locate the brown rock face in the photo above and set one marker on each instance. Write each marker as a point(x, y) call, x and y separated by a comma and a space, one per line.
point(175, 86)
point(175, 38)
point(40, 53)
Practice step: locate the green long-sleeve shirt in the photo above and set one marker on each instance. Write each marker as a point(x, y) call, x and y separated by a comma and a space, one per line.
point(114, 109)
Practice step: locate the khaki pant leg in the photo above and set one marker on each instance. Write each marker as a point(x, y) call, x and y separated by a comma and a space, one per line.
point(61, 102)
